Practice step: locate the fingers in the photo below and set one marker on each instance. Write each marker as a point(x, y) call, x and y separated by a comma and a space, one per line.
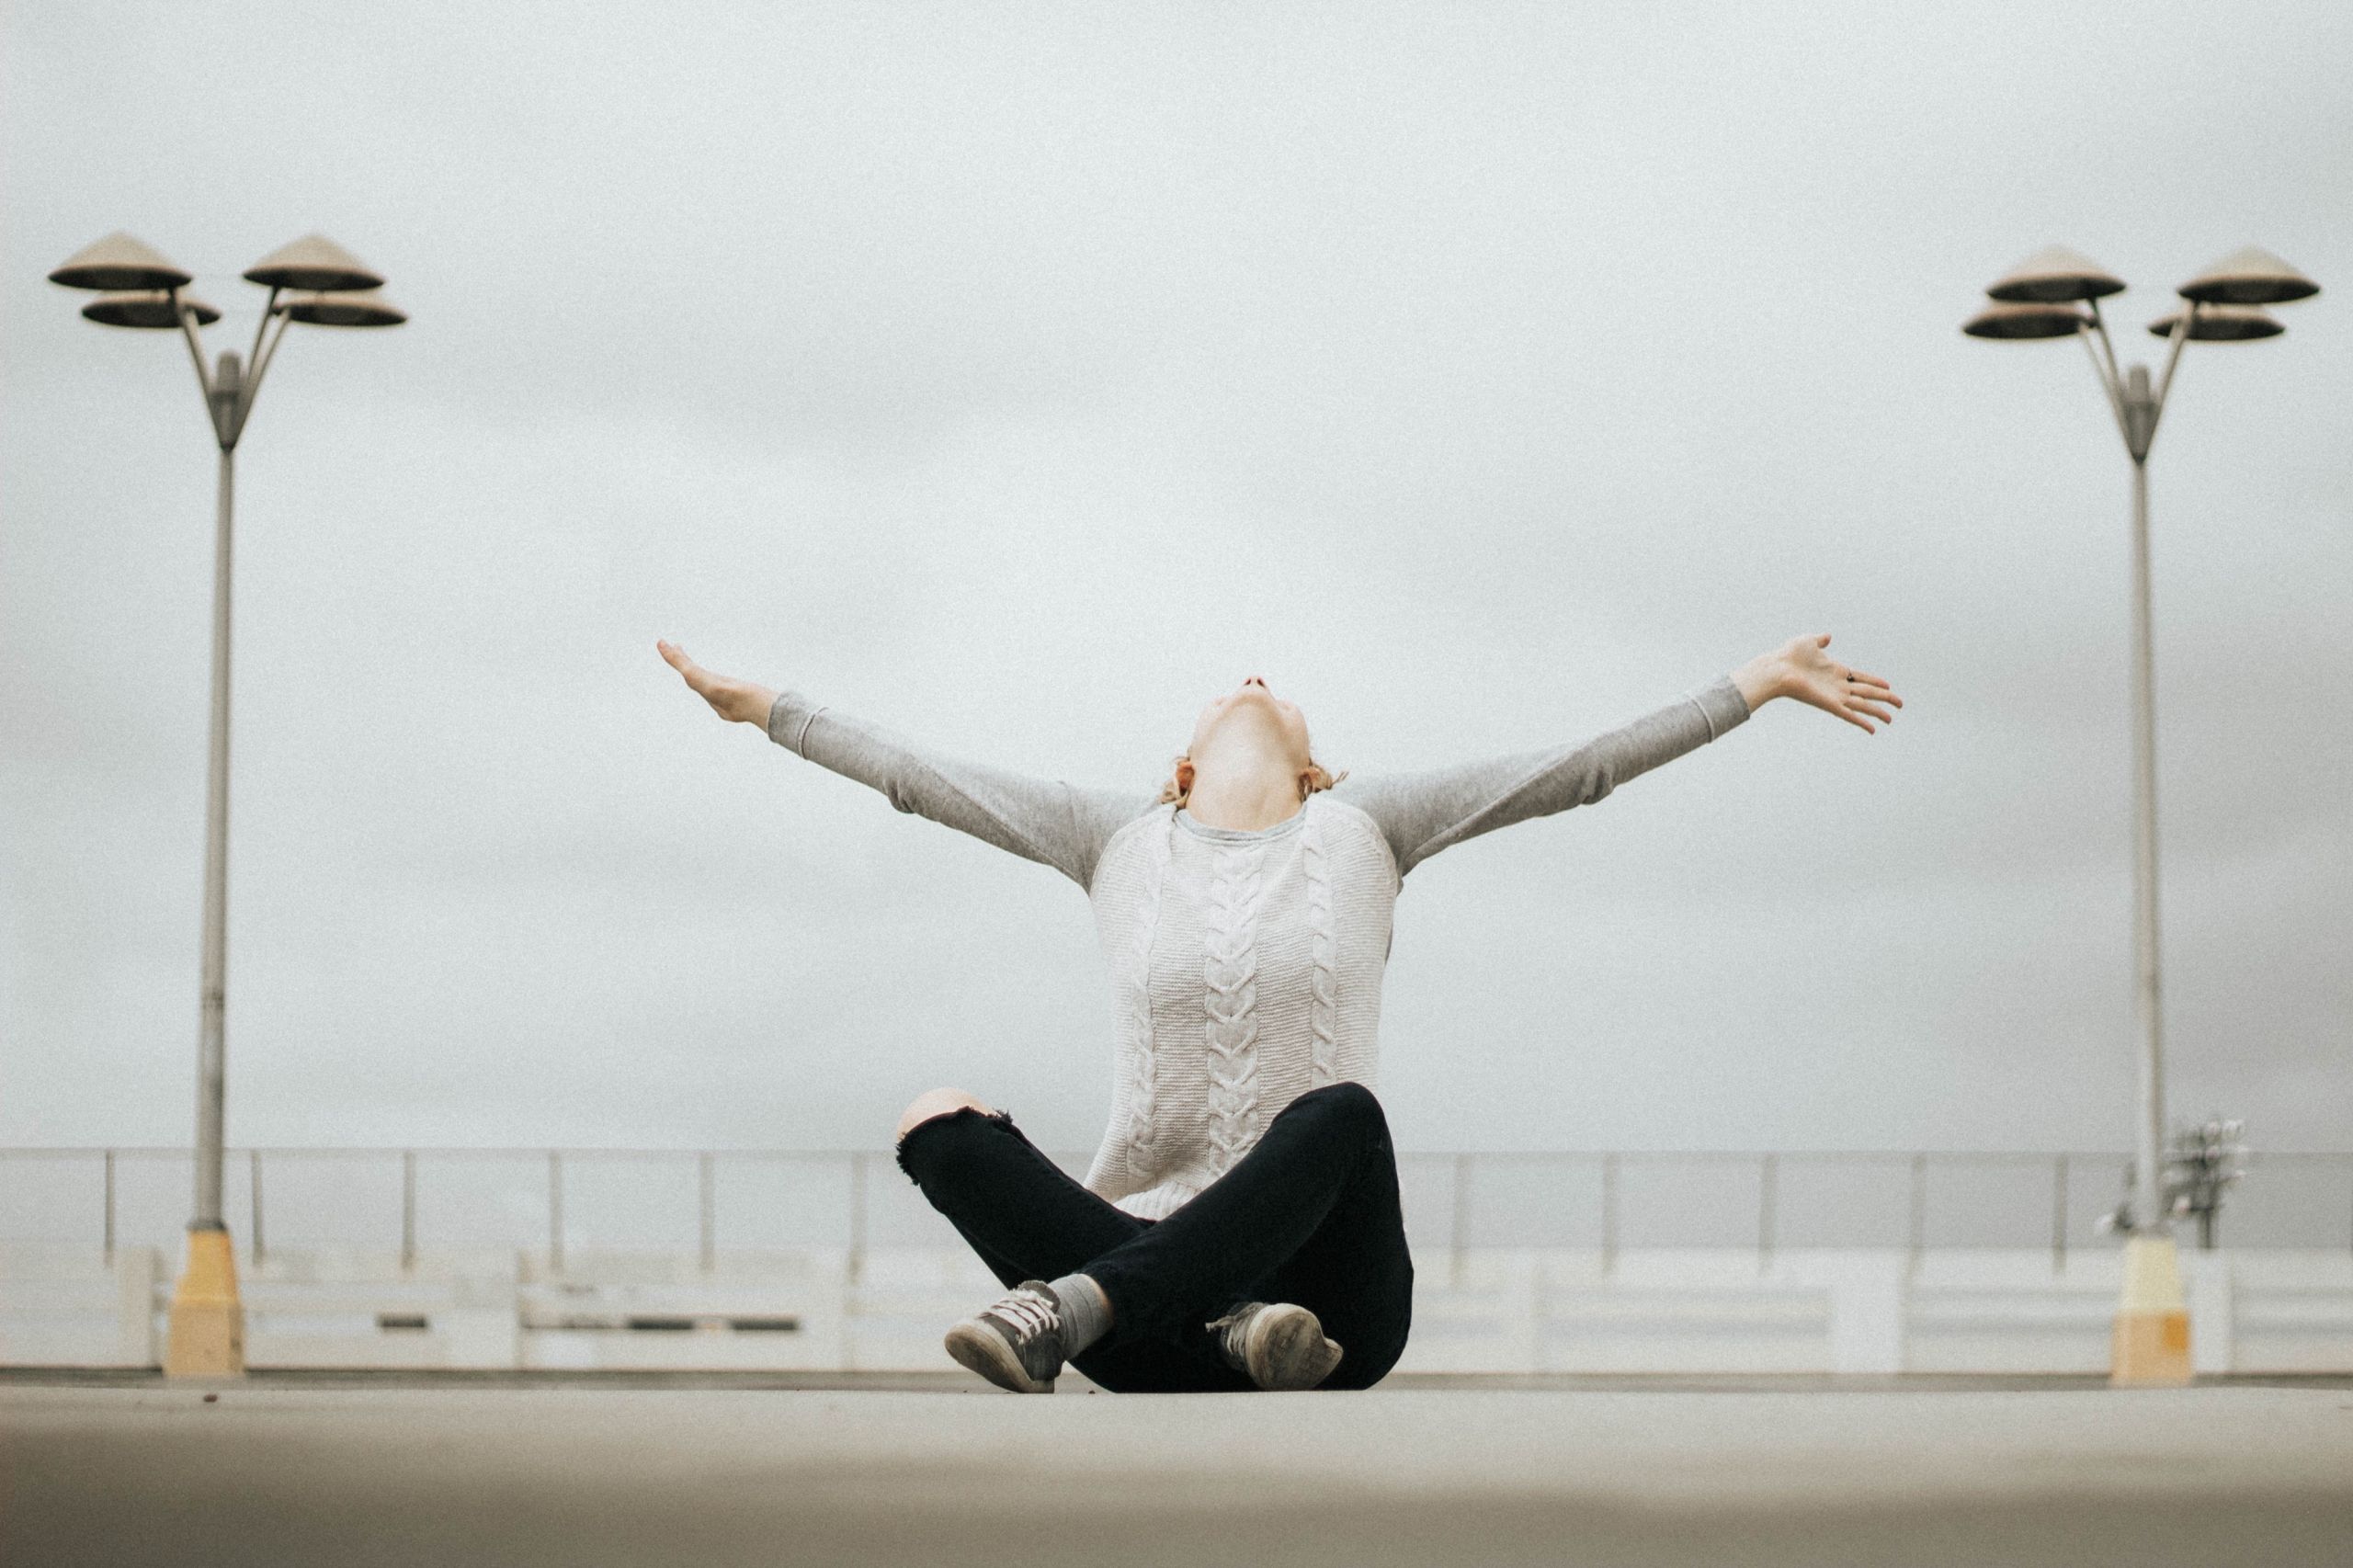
point(1866, 687)
point(1856, 696)
point(1858, 690)
point(1867, 678)
point(699, 680)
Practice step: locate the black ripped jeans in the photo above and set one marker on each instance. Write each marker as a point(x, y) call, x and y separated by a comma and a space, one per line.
point(1309, 1215)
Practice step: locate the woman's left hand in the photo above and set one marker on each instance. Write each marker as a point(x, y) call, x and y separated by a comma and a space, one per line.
point(1800, 668)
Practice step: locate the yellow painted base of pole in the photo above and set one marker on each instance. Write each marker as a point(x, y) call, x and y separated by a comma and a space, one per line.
point(2150, 1346)
point(208, 1318)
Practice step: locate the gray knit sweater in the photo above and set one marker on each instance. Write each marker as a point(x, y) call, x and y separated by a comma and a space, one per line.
point(1245, 965)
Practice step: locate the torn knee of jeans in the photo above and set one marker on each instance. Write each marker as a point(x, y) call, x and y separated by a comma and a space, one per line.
point(962, 1113)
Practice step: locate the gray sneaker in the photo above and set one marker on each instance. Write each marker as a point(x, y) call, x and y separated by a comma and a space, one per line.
point(1279, 1347)
point(1016, 1341)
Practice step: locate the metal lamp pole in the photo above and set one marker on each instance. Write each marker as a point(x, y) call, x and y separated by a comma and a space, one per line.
point(2056, 293)
point(137, 288)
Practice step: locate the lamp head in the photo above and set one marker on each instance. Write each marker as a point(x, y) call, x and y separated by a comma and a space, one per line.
point(154, 309)
point(2222, 323)
point(365, 307)
point(2026, 320)
point(119, 262)
point(2248, 275)
point(2053, 274)
point(313, 262)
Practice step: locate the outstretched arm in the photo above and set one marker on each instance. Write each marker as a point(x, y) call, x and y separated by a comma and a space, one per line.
point(1060, 825)
point(1421, 814)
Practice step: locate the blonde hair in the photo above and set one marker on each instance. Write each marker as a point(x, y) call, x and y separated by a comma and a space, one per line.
point(1316, 779)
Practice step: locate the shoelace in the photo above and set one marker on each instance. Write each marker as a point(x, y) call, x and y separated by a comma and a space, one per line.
point(1233, 1327)
point(1029, 1313)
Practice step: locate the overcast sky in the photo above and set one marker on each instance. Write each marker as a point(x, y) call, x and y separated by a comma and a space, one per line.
point(1484, 376)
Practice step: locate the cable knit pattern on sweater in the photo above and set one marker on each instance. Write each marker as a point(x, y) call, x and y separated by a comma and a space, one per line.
point(1229, 1002)
point(1142, 1056)
point(1322, 976)
point(1245, 964)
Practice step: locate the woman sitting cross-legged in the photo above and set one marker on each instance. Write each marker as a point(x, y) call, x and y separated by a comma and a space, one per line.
point(1239, 1227)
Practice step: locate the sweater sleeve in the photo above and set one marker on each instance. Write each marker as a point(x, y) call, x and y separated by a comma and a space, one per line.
point(1058, 824)
point(1421, 814)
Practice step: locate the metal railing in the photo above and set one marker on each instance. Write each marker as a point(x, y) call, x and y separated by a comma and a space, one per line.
point(560, 1200)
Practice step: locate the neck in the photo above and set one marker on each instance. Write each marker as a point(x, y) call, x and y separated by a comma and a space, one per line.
point(1247, 798)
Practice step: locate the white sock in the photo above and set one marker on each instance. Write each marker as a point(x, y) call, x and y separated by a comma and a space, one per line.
point(1086, 1312)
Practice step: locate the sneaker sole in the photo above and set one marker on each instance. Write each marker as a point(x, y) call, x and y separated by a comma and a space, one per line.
point(1288, 1351)
point(980, 1349)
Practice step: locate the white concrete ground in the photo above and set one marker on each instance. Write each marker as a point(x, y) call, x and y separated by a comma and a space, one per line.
point(1946, 1472)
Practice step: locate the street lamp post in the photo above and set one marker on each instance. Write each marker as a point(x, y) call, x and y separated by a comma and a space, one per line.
point(312, 280)
point(2056, 293)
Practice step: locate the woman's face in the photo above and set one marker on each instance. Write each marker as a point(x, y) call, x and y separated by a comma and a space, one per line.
point(1252, 708)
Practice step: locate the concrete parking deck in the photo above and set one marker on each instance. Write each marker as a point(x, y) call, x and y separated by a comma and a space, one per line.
point(1953, 1472)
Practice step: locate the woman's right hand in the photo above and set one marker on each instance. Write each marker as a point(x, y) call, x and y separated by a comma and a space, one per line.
point(740, 701)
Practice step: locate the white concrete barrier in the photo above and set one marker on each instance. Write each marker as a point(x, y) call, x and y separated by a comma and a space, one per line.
point(1519, 1311)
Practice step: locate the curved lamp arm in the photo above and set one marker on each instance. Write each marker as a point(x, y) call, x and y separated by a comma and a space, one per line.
point(2180, 335)
point(263, 354)
point(187, 314)
point(2112, 380)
